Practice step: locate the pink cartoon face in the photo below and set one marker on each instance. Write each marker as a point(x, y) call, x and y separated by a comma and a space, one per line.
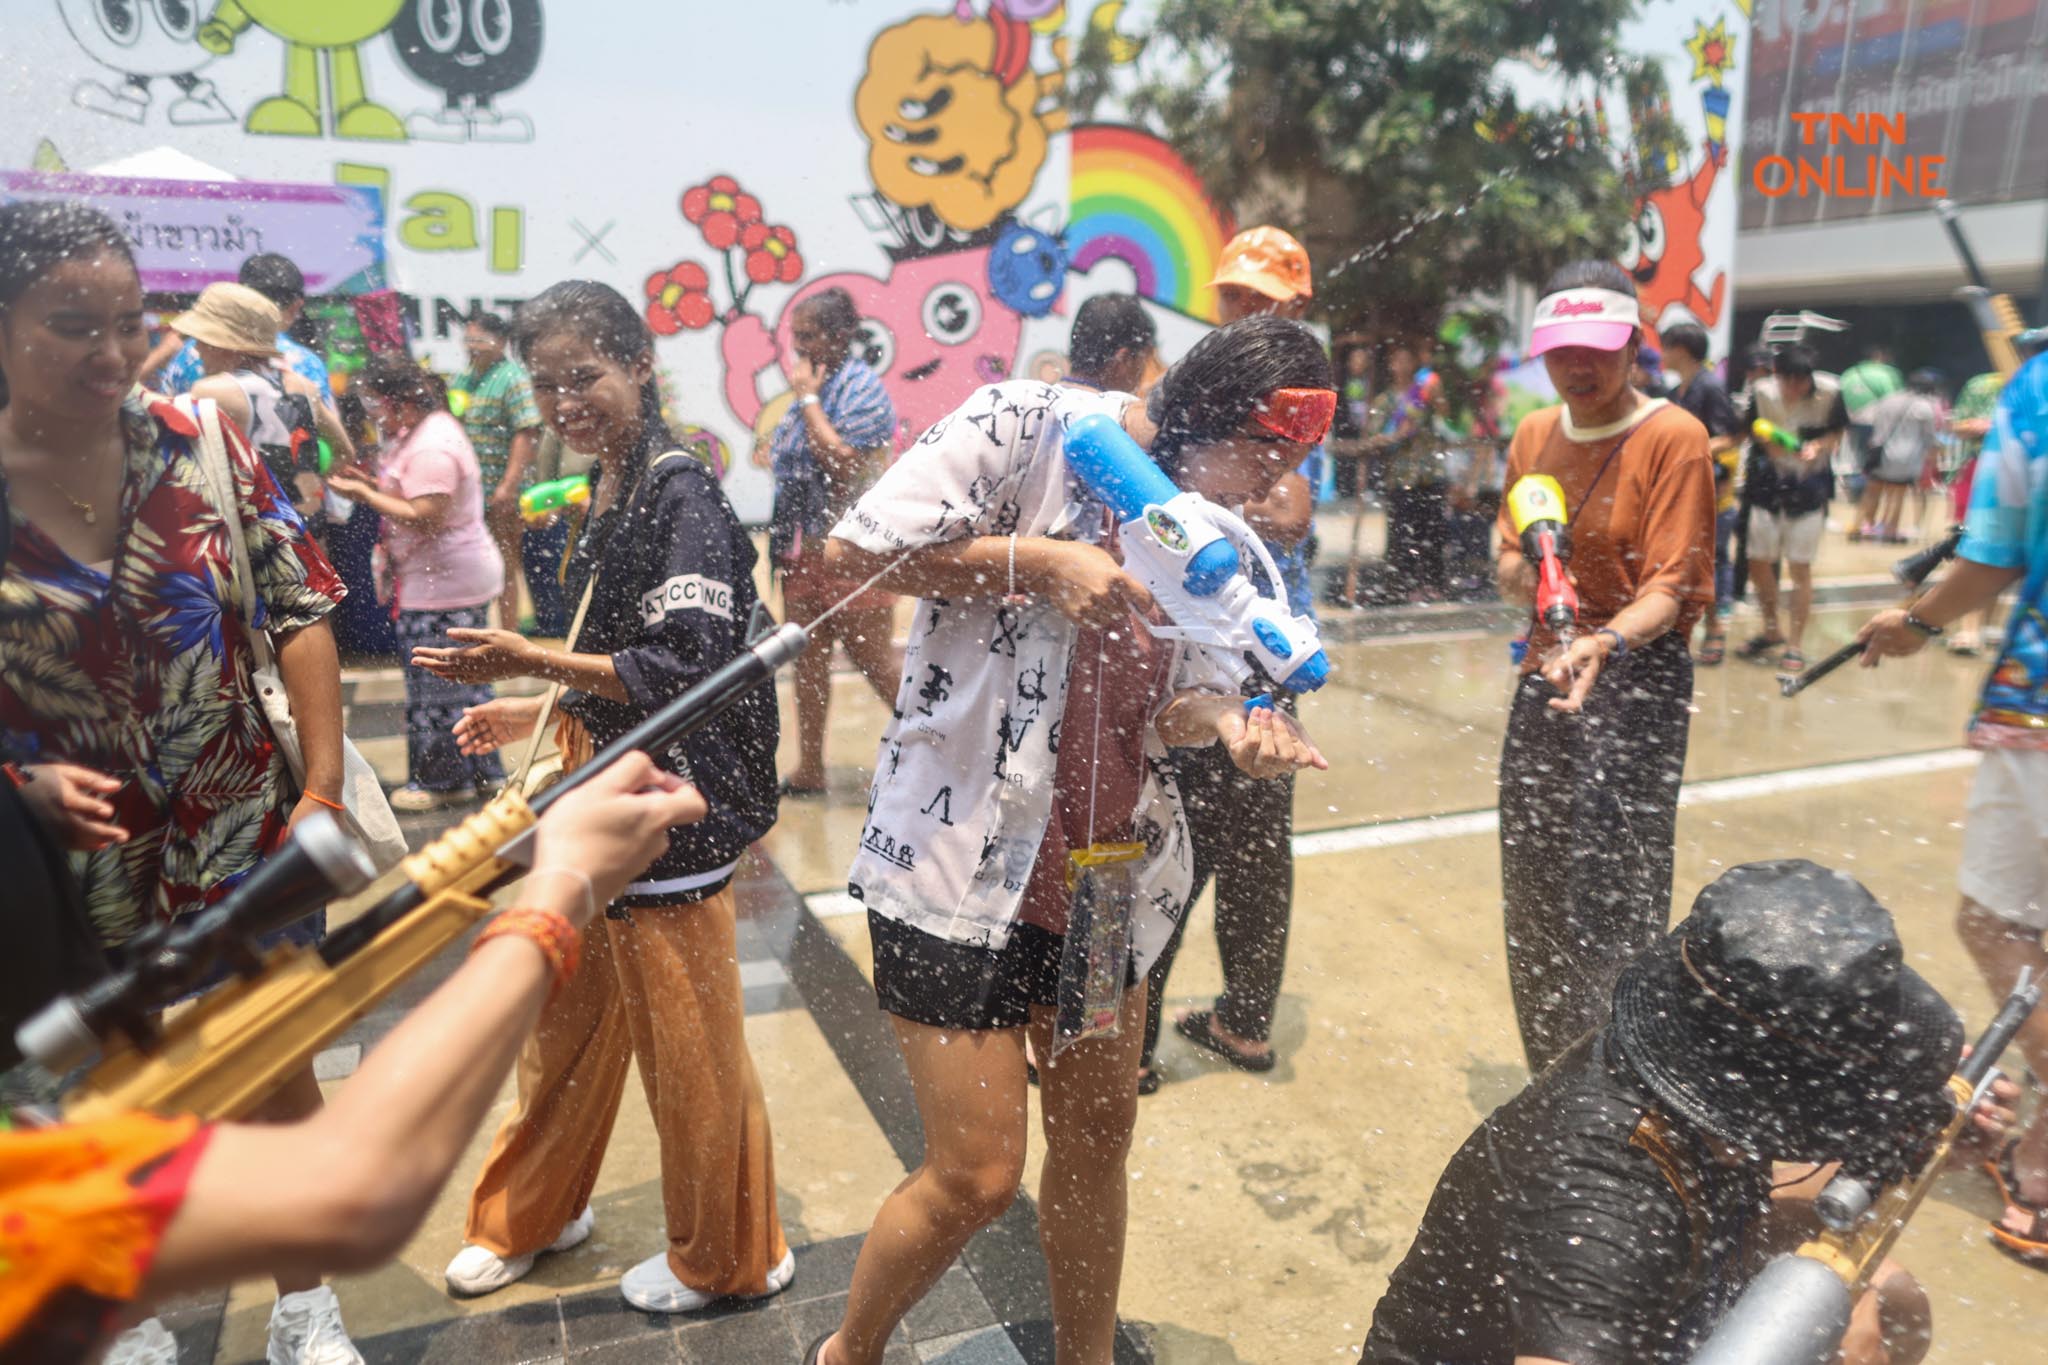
point(930, 331)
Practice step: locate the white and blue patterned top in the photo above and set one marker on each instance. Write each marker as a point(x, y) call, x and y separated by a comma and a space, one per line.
point(183, 370)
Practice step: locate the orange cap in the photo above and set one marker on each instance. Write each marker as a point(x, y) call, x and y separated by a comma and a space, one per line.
point(1268, 260)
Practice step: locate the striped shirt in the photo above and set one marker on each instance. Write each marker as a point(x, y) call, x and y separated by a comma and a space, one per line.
point(858, 407)
point(500, 407)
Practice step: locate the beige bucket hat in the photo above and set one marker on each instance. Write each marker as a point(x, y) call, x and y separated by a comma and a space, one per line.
point(233, 317)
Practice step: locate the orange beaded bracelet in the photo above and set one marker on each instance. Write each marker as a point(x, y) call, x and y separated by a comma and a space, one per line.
point(548, 930)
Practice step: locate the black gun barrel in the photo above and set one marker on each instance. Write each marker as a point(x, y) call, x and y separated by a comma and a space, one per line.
point(1913, 570)
point(667, 727)
point(319, 862)
point(1998, 1037)
point(1952, 221)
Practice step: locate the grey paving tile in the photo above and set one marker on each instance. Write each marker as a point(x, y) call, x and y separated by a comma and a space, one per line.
point(762, 1337)
point(661, 1350)
point(812, 1320)
point(523, 1335)
point(989, 1346)
point(954, 1305)
point(824, 1268)
point(601, 1317)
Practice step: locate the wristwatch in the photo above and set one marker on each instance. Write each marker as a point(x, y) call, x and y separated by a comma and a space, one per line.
point(809, 400)
point(1620, 642)
point(1926, 628)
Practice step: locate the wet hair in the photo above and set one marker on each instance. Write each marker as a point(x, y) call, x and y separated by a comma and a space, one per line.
point(37, 236)
point(1794, 362)
point(275, 277)
point(834, 311)
point(1756, 358)
point(1926, 379)
point(601, 316)
point(1590, 275)
point(1105, 325)
point(1216, 387)
point(484, 320)
point(1689, 337)
point(397, 378)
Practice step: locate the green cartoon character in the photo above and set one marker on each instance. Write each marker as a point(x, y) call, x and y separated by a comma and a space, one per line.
point(309, 28)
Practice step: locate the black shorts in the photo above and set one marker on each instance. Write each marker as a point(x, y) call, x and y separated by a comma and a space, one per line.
point(934, 981)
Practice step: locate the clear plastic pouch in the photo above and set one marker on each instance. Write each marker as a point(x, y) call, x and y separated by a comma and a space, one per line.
point(1102, 884)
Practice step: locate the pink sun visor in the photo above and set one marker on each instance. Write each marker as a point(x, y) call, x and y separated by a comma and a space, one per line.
point(1603, 319)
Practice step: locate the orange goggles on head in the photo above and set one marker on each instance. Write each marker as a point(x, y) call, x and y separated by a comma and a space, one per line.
point(1301, 415)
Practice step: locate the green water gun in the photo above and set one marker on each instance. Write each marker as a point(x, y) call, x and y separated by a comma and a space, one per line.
point(554, 495)
point(1770, 432)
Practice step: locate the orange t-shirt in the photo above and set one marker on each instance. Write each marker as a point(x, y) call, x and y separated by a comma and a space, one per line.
point(1648, 527)
point(82, 1208)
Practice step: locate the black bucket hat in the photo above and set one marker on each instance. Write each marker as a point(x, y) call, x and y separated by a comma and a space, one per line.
point(1781, 1017)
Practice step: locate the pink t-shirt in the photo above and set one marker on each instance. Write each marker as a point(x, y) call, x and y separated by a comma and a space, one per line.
point(456, 564)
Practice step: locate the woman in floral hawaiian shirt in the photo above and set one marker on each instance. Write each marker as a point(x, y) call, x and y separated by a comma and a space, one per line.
point(120, 650)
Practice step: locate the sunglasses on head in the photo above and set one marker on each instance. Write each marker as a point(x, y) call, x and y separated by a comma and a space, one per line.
point(1301, 415)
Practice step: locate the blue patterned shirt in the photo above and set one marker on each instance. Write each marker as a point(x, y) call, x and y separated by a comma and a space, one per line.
point(183, 370)
point(2007, 528)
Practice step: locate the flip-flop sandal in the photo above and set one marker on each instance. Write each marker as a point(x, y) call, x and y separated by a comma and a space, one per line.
point(1712, 652)
point(1148, 1080)
point(1194, 1027)
point(2031, 1246)
point(789, 790)
point(1758, 646)
point(1792, 662)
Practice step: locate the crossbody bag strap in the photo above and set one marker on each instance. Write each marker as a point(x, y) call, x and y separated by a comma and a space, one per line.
point(553, 695)
point(219, 474)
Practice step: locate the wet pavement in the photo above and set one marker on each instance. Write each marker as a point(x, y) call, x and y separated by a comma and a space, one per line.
point(1266, 1210)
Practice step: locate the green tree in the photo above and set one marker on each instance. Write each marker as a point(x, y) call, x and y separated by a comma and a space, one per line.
point(1385, 133)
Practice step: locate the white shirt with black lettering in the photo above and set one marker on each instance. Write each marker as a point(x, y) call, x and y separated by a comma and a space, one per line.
point(964, 780)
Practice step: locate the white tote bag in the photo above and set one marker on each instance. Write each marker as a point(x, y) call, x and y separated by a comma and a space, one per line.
point(368, 814)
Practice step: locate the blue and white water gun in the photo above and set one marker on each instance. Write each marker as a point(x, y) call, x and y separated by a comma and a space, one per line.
point(1189, 553)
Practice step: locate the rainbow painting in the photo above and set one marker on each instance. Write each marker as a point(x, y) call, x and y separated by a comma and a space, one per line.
point(1134, 199)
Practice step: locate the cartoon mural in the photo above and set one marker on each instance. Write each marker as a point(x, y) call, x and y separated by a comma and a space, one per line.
point(958, 120)
point(1668, 239)
point(334, 29)
point(472, 53)
point(141, 41)
point(1133, 199)
point(953, 199)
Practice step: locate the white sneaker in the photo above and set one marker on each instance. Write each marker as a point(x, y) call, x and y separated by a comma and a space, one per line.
point(653, 1287)
point(479, 1270)
point(305, 1329)
point(148, 1342)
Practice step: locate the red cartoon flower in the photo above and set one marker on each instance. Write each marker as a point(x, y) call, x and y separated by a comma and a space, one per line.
point(679, 297)
point(771, 254)
point(720, 209)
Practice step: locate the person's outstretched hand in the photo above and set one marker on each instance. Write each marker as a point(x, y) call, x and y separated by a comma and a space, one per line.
point(487, 728)
point(1573, 671)
point(480, 656)
point(613, 826)
point(1267, 742)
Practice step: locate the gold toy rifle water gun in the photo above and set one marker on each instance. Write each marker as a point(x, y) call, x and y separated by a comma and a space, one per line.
point(1796, 1311)
point(1998, 318)
point(227, 1054)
